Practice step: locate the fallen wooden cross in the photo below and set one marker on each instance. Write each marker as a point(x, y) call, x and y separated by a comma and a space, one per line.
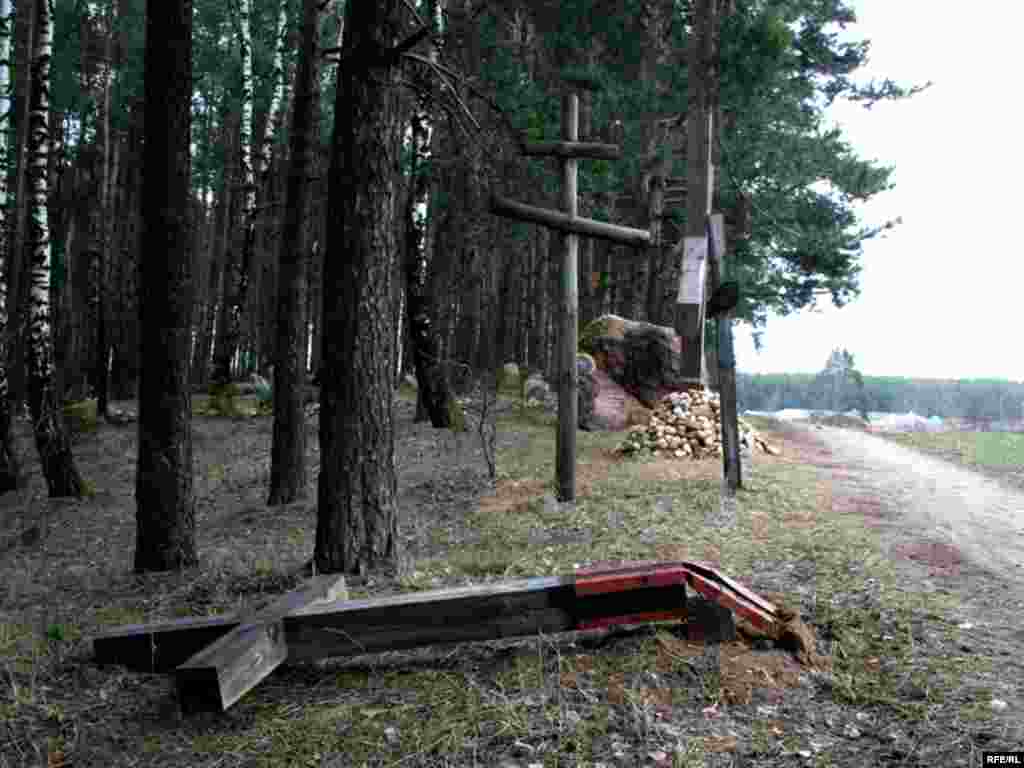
point(220, 674)
point(217, 660)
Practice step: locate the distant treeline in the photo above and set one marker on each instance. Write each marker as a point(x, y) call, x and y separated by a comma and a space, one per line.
point(978, 400)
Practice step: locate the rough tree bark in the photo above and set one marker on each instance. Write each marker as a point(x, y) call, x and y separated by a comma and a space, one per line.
point(124, 374)
point(62, 478)
point(237, 269)
point(102, 372)
point(165, 505)
point(9, 469)
point(19, 255)
point(357, 523)
point(288, 451)
point(433, 385)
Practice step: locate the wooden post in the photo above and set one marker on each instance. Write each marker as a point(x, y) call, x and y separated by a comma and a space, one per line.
point(700, 180)
point(568, 222)
point(565, 450)
point(727, 411)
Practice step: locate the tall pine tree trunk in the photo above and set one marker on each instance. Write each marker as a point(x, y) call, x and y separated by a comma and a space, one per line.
point(62, 478)
point(288, 450)
point(165, 505)
point(357, 515)
point(238, 276)
point(124, 374)
point(9, 470)
point(101, 375)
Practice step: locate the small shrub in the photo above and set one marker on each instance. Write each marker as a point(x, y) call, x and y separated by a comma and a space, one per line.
point(80, 417)
point(264, 398)
point(457, 416)
point(223, 400)
point(264, 392)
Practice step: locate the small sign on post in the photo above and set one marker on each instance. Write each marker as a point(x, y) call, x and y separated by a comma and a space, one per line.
point(692, 275)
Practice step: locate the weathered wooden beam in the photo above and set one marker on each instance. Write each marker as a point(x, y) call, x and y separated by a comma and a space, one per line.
point(582, 79)
point(631, 593)
point(160, 647)
point(487, 611)
point(578, 225)
point(217, 676)
point(568, 332)
point(722, 302)
point(573, 149)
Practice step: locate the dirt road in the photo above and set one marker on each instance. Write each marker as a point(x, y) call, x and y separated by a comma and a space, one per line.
point(976, 515)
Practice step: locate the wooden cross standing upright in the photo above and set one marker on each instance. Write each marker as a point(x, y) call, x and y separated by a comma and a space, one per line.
point(567, 221)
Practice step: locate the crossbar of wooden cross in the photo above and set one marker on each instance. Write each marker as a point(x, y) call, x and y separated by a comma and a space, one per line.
point(217, 660)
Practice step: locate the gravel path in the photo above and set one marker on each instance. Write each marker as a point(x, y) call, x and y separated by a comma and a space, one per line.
point(977, 515)
point(945, 529)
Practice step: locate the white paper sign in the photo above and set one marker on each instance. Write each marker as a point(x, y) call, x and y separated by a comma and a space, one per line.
point(691, 278)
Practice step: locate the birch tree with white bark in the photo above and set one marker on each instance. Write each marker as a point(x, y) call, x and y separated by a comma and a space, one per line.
point(9, 469)
point(62, 478)
point(237, 269)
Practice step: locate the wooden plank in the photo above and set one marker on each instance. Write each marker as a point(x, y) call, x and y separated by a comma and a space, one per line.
point(217, 676)
point(481, 612)
point(570, 148)
point(729, 416)
point(582, 79)
point(512, 609)
point(175, 641)
point(162, 646)
point(636, 575)
point(564, 223)
point(631, 593)
point(568, 332)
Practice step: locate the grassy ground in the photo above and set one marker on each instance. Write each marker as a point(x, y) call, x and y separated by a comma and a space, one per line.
point(896, 690)
point(996, 454)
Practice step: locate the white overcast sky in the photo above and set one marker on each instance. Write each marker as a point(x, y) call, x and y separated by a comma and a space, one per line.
point(942, 293)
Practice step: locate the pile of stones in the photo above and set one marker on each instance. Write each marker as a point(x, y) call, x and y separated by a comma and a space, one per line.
point(688, 425)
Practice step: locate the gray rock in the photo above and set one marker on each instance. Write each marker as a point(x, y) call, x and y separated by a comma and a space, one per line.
point(509, 374)
point(587, 389)
point(536, 388)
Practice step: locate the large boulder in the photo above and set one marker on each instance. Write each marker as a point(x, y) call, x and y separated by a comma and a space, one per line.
point(614, 408)
point(641, 357)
